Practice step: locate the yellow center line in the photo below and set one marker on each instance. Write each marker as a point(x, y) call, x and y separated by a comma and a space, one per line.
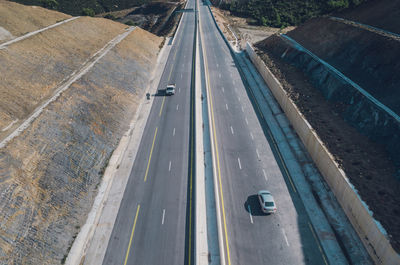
point(316, 239)
point(217, 157)
point(131, 239)
point(151, 152)
point(162, 105)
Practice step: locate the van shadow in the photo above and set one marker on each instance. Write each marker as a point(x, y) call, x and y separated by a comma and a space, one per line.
point(252, 205)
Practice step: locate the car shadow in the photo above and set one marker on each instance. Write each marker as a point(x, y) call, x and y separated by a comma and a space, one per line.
point(252, 205)
point(160, 94)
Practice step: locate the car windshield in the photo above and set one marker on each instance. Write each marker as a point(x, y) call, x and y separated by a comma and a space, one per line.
point(269, 204)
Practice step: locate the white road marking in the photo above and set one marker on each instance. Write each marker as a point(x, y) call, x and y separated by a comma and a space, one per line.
point(242, 109)
point(177, 107)
point(223, 89)
point(247, 122)
point(284, 234)
point(173, 133)
point(258, 155)
point(226, 106)
point(232, 130)
point(217, 65)
point(240, 165)
point(169, 167)
point(265, 175)
point(163, 216)
point(252, 137)
point(251, 217)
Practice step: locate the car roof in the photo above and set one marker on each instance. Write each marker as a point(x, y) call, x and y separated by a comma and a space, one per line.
point(266, 195)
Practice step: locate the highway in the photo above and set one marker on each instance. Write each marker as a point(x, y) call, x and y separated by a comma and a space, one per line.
point(154, 224)
point(244, 163)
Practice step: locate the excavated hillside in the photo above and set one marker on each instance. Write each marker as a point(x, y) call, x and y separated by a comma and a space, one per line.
point(49, 173)
point(16, 19)
point(362, 136)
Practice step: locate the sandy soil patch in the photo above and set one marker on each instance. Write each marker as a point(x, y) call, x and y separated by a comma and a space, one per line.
point(32, 69)
point(19, 19)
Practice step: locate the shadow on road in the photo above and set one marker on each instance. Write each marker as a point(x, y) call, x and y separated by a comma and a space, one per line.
point(252, 206)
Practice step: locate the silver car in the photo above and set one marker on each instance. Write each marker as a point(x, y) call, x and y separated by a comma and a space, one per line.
point(170, 90)
point(267, 202)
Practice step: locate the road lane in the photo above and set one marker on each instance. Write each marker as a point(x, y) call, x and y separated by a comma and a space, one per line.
point(244, 159)
point(158, 183)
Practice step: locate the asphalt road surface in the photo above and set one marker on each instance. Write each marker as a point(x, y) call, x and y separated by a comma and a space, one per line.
point(155, 219)
point(246, 164)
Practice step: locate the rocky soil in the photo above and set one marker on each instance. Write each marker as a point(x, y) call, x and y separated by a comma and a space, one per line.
point(367, 164)
point(50, 172)
point(159, 18)
point(32, 69)
point(19, 19)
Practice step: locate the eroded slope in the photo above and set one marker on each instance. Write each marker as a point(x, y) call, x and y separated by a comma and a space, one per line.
point(16, 19)
point(50, 172)
point(32, 69)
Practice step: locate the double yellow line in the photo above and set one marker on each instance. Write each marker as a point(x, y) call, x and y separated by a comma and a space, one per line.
point(216, 153)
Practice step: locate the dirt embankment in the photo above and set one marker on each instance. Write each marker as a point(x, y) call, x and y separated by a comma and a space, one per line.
point(18, 19)
point(50, 172)
point(240, 28)
point(384, 14)
point(366, 163)
point(32, 69)
point(159, 18)
point(369, 59)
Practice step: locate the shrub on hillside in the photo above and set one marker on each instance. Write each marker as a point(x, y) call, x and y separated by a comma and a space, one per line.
point(88, 12)
point(281, 13)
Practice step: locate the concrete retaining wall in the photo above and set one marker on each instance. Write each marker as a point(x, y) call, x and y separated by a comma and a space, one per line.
point(371, 235)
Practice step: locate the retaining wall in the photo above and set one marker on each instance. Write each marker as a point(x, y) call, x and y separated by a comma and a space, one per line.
point(367, 228)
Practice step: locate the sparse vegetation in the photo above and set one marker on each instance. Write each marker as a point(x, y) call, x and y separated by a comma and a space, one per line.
point(282, 13)
point(88, 12)
point(77, 7)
